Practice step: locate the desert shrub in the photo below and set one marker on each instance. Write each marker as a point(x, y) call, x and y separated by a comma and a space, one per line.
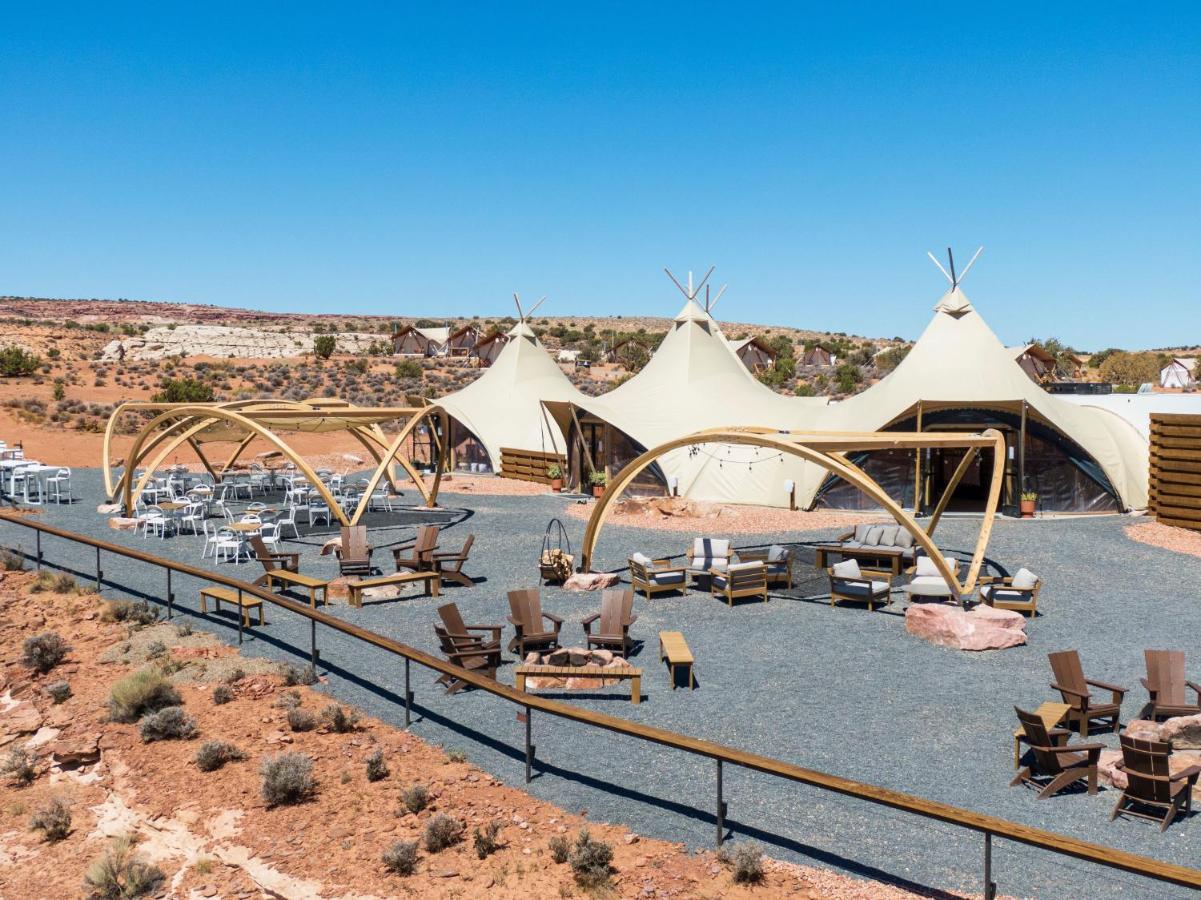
point(170, 724)
point(301, 719)
point(156, 650)
point(44, 651)
point(591, 860)
point(324, 345)
point(401, 857)
point(16, 361)
point(441, 832)
point(145, 691)
point(121, 874)
point(53, 820)
point(235, 676)
point(560, 848)
point(184, 630)
point(19, 765)
point(747, 862)
point(294, 675)
point(1131, 369)
point(135, 612)
point(377, 769)
point(415, 798)
point(485, 839)
point(12, 561)
point(222, 694)
point(339, 720)
point(183, 390)
point(408, 368)
point(456, 756)
point(53, 583)
point(212, 755)
point(58, 691)
point(288, 700)
point(287, 778)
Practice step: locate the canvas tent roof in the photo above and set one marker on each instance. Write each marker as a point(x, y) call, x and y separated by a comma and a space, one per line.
point(959, 363)
point(502, 407)
point(695, 381)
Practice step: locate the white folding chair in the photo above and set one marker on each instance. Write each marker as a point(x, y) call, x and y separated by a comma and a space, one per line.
point(57, 483)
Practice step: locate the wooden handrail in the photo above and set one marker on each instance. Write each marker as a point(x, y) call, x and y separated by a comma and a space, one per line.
point(919, 806)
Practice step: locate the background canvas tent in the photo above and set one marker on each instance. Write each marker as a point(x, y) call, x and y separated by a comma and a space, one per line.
point(959, 376)
point(503, 407)
point(693, 381)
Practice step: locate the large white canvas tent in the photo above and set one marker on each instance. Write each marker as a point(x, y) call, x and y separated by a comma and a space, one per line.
point(959, 375)
point(503, 407)
point(694, 381)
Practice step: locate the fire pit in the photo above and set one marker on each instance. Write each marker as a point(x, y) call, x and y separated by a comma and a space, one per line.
point(575, 657)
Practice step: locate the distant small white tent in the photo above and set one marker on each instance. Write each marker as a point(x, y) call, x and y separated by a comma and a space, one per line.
point(1178, 374)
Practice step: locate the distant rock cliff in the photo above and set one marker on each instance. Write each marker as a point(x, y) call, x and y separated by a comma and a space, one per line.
point(225, 342)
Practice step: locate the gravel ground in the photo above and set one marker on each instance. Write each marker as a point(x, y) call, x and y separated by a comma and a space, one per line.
point(840, 690)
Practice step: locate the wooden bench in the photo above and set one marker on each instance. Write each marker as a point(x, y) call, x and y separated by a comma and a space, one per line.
point(617, 672)
point(246, 602)
point(433, 584)
point(674, 649)
point(295, 579)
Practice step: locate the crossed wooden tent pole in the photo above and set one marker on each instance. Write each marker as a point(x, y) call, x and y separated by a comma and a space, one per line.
point(828, 449)
point(177, 424)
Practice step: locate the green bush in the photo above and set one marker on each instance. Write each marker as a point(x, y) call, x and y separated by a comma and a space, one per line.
point(145, 691)
point(120, 874)
point(16, 361)
point(591, 861)
point(287, 778)
point(44, 651)
point(183, 390)
point(170, 724)
point(324, 345)
point(408, 368)
point(401, 857)
point(53, 820)
point(377, 768)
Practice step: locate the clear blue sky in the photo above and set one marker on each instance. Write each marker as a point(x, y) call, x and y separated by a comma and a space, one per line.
point(291, 157)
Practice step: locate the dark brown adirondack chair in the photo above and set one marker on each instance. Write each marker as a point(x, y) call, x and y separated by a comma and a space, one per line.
point(354, 556)
point(418, 554)
point(451, 564)
point(1056, 762)
point(1166, 684)
point(456, 628)
point(273, 559)
point(1149, 783)
point(616, 617)
point(526, 616)
point(1074, 688)
point(468, 654)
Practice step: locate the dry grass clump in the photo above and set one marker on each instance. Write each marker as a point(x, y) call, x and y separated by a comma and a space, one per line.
point(145, 691)
point(120, 874)
point(222, 695)
point(11, 560)
point(58, 691)
point(746, 860)
point(591, 861)
point(135, 612)
point(53, 583)
point(19, 765)
point(44, 651)
point(170, 724)
point(560, 849)
point(287, 778)
point(53, 820)
point(377, 768)
point(212, 755)
point(339, 720)
point(401, 857)
point(300, 719)
point(485, 840)
point(294, 675)
point(415, 798)
point(441, 832)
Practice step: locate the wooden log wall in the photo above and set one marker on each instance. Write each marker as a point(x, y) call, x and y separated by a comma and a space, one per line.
point(529, 465)
point(1175, 490)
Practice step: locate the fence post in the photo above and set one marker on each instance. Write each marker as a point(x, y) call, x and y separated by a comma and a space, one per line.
point(170, 596)
point(408, 696)
point(721, 809)
point(99, 574)
point(239, 613)
point(313, 644)
point(39, 549)
point(529, 747)
point(990, 886)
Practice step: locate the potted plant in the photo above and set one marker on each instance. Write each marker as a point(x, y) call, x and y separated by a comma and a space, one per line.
point(555, 473)
point(1029, 498)
point(598, 480)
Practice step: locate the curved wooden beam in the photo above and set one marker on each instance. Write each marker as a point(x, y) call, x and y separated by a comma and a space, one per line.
point(393, 449)
point(427, 497)
point(828, 459)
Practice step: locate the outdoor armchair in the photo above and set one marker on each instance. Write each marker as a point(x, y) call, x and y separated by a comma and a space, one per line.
point(1017, 592)
point(1055, 764)
point(1076, 693)
point(1150, 784)
point(656, 576)
point(1166, 683)
point(527, 617)
point(848, 583)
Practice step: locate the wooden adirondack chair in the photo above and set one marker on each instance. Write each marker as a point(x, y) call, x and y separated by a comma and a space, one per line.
point(469, 654)
point(526, 616)
point(1074, 688)
point(456, 628)
point(451, 564)
point(273, 559)
point(1151, 784)
point(616, 617)
point(418, 554)
point(1055, 761)
point(1165, 682)
point(354, 556)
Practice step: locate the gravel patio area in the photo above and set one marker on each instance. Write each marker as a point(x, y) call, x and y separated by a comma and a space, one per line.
point(840, 690)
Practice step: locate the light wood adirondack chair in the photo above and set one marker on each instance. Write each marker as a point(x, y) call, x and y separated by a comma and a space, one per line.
point(469, 654)
point(1056, 762)
point(456, 628)
point(418, 554)
point(451, 564)
point(526, 616)
point(354, 556)
point(616, 617)
point(273, 559)
point(1075, 690)
point(1166, 684)
point(1150, 784)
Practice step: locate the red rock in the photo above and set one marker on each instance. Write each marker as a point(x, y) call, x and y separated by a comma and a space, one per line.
point(122, 523)
point(1182, 732)
point(1145, 729)
point(590, 581)
point(76, 750)
point(21, 718)
point(982, 628)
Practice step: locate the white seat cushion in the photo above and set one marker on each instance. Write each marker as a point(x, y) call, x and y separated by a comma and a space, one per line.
point(1024, 579)
point(848, 568)
point(742, 567)
point(776, 553)
point(928, 586)
point(642, 559)
point(667, 577)
point(903, 538)
point(888, 535)
point(925, 566)
point(714, 548)
point(873, 536)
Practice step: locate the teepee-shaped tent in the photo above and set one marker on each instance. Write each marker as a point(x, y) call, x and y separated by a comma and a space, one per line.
point(503, 407)
point(959, 375)
point(695, 381)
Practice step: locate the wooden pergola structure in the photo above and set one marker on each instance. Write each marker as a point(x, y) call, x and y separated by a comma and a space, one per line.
point(240, 422)
point(829, 450)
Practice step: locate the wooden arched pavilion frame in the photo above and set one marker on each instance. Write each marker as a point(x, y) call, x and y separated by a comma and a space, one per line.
point(828, 449)
point(177, 424)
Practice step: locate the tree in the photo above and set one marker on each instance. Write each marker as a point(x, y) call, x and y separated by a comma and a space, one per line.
point(183, 390)
point(324, 345)
point(1131, 368)
point(891, 358)
point(15, 361)
point(848, 377)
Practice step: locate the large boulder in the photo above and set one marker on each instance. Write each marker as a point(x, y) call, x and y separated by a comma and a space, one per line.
point(1182, 732)
point(1144, 729)
point(123, 523)
point(1108, 772)
point(590, 581)
point(981, 628)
